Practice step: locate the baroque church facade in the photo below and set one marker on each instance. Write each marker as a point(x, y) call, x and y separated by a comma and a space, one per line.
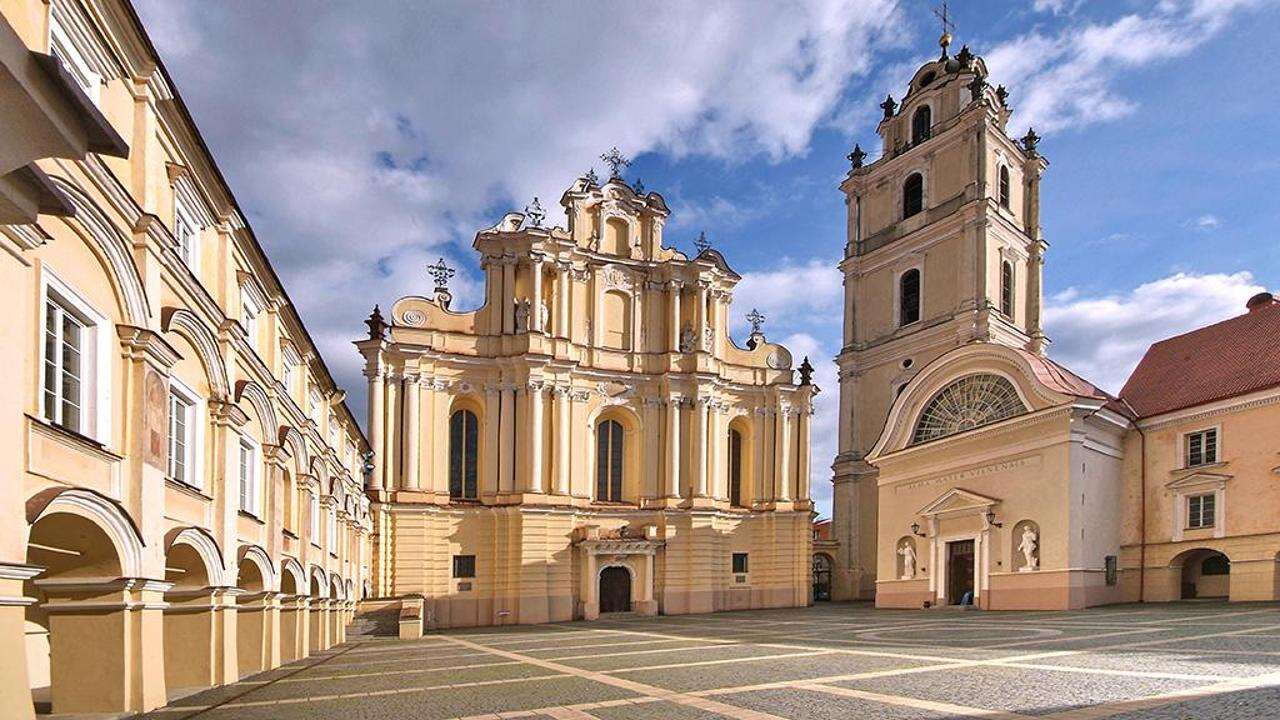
point(973, 469)
point(590, 439)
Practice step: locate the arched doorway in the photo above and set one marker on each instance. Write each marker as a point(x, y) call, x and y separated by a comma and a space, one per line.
point(821, 577)
point(615, 590)
point(1205, 574)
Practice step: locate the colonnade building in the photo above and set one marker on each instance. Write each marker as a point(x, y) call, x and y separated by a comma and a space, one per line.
point(590, 439)
point(182, 501)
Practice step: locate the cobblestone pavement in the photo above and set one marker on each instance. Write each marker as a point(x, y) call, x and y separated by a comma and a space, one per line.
point(1152, 662)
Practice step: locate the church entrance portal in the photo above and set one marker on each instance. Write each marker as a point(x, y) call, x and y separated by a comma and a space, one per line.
point(959, 571)
point(615, 590)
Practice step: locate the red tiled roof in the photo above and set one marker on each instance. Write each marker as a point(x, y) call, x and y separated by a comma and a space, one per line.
point(1058, 378)
point(1223, 360)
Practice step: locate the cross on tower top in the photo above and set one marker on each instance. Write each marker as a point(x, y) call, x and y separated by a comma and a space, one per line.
point(616, 161)
point(756, 319)
point(701, 243)
point(944, 15)
point(535, 213)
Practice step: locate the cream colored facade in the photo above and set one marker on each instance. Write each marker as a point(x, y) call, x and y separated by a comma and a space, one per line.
point(586, 332)
point(972, 468)
point(182, 498)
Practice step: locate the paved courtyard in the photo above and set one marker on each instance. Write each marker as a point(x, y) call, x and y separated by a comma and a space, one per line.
point(832, 661)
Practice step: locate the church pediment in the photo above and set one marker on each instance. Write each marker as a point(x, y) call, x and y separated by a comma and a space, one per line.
point(1199, 480)
point(957, 500)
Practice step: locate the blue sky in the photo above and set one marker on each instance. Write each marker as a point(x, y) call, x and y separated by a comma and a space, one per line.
point(366, 140)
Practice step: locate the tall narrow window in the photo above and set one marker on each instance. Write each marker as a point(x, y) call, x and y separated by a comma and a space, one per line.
point(912, 195)
point(464, 443)
point(609, 461)
point(333, 530)
point(64, 48)
point(182, 429)
point(1200, 511)
point(909, 297)
point(1004, 186)
point(249, 312)
point(185, 232)
point(1202, 447)
point(921, 125)
point(65, 336)
point(735, 468)
point(314, 519)
point(1006, 288)
point(248, 478)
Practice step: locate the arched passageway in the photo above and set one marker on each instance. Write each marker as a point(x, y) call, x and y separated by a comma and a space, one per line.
point(1205, 574)
point(195, 616)
point(821, 577)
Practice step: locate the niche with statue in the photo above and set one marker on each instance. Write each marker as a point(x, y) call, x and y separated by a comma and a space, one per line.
point(1026, 546)
point(908, 560)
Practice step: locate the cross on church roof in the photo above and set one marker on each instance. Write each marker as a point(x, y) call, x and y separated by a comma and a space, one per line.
point(441, 272)
point(701, 243)
point(535, 213)
point(756, 319)
point(616, 161)
point(947, 26)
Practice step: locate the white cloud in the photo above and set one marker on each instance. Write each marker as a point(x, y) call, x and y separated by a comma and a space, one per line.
point(1205, 222)
point(792, 295)
point(1067, 79)
point(1102, 338)
point(365, 138)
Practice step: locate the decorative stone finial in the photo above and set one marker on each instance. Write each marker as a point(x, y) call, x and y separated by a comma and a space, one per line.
point(857, 156)
point(1002, 94)
point(616, 162)
point(965, 57)
point(977, 87)
point(377, 326)
point(1030, 141)
point(535, 213)
point(639, 187)
point(757, 321)
point(806, 372)
point(889, 105)
point(701, 243)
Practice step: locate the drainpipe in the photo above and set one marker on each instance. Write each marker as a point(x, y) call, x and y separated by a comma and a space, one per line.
point(1142, 514)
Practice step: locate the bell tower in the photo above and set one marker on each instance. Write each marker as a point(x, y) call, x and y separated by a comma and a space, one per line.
point(944, 248)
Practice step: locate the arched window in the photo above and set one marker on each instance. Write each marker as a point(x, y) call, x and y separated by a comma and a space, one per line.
point(1004, 186)
point(909, 297)
point(912, 195)
point(970, 402)
point(735, 468)
point(464, 445)
point(609, 461)
point(921, 124)
point(1006, 288)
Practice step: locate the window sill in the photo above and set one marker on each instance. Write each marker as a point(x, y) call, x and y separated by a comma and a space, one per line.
point(1199, 528)
point(186, 489)
point(84, 441)
point(250, 516)
point(288, 533)
point(1202, 466)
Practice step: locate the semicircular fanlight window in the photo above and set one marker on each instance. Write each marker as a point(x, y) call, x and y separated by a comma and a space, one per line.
point(968, 403)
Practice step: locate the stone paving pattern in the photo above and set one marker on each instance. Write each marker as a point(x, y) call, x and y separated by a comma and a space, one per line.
point(828, 662)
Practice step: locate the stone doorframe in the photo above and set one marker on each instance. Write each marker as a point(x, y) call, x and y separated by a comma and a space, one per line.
point(953, 505)
point(635, 554)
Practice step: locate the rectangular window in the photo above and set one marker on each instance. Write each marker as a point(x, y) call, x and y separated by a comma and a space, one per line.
point(1200, 511)
point(248, 478)
point(249, 312)
point(185, 232)
point(314, 407)
point(1202, 448)
point(464, 566)
point(65, 344)
point(64, 48)
point(739, 563)
point(182, 428)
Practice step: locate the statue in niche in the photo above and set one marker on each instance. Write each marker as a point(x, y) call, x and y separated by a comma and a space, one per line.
point(908, 553)
point(688, 338)
point(708, 337)
point(544, 316)
point(1028, 548)
point(522, 316)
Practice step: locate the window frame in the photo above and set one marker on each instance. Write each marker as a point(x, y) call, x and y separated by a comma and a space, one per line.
point(1008, 286)
point(463, 567)
point(745, 564)
point(1205, 434)
point(63, 47)
point(252, 490)
point(899, 296)
point(95, 354)
point(193, 476)
point(467, 467)
point(1198, 507)
point(918, 137)
point(735, 452)
point(250, 312)
point(902, 195)
point(1004, 187)
point(615, 461)
point(183, 216)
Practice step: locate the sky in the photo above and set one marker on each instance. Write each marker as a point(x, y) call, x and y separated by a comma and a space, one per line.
point(364, 140)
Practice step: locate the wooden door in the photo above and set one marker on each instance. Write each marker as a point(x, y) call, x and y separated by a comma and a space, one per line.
point(615, 590)
point(959, 570)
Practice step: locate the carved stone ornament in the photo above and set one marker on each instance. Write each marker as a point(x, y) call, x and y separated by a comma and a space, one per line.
point(1029, 547)
point(413, 318)
point(908, 553)
point(522, 316)
point(687, 338)
point(613, 278)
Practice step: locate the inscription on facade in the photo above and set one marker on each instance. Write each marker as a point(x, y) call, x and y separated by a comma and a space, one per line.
point(961, 475)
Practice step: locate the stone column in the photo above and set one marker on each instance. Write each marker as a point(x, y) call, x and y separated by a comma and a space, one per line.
point(489, 456)
point(699, 443)
point(15, 692)
point(803, 458)
point(535, 304)
point(391, 432)
point(718, 442)
point(536, 438)
point(506, 440)
point(673, 316)
point(412, 431)
point(1035, 297)
point(700, 318)
point(562, 409)
point(564, 286)
point(673, 447)
point(508, 295)
point(376, 398)
point(786, 471)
